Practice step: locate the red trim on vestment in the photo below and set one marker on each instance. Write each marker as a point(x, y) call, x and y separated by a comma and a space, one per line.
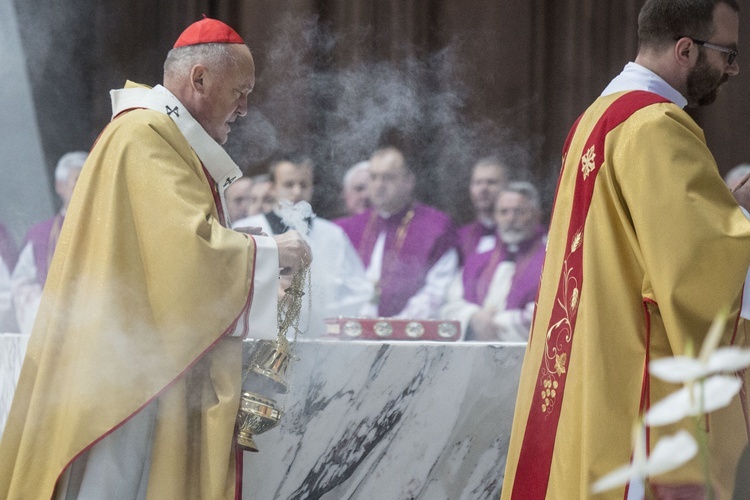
point(566, 147)
point(243, 316)
point(645, 402)
point(535, 458)
point(737, 318)
point(238, 467)
point(741, 373)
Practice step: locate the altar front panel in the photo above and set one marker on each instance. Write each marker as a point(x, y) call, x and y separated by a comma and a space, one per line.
point(391, 421)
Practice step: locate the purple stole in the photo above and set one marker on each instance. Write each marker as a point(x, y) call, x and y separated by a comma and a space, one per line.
point(469, 236)
point(480, 268)
point(415, 239)
point(43, 238)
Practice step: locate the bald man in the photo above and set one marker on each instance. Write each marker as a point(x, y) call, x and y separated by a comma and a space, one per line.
point(132, 379)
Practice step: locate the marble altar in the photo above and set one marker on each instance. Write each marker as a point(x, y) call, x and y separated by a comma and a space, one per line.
point(390, 421)
point(369, 420)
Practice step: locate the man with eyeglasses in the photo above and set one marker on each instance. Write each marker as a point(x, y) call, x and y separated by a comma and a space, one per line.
point(646, 247)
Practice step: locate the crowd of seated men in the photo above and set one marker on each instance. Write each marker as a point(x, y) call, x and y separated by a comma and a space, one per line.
point(389, 256)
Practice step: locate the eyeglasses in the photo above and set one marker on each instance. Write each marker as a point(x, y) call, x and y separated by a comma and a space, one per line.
point(732, 52)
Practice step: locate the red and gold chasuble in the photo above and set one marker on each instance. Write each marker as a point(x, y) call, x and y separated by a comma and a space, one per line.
point(583, 385)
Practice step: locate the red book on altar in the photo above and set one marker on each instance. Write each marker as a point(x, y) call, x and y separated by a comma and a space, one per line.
point(392, 329)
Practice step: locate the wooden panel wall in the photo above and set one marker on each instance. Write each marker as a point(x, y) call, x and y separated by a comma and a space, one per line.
point(454, 79)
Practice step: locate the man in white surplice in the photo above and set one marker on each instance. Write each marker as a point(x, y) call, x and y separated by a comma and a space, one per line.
point(338, 282)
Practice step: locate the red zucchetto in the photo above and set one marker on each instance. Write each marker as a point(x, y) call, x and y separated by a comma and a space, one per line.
point(207, 30)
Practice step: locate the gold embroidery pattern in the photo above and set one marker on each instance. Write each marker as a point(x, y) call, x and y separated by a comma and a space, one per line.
point(549, 392)
point(587, 162)
point(560, 333)
point(576, 241)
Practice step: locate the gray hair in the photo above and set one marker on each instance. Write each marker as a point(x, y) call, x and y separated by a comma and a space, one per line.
point(357, 167)
point(73, 160)
point(180, 60)
point(525, 189)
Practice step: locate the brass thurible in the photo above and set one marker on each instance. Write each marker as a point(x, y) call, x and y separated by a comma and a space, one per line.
point(265, 366)
point(257, 413)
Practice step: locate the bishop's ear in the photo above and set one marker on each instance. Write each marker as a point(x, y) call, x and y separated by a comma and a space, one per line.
point(198, 78)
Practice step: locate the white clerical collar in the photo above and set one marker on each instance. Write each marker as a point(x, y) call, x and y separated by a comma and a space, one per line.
point(637, 77)
point(218, 163)
point(487, 222)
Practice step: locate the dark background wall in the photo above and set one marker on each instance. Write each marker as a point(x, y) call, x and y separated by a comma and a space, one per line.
point(451, 80)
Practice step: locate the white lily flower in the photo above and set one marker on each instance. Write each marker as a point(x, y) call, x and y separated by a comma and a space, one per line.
point(686, 369)
point(710, 361)
point(694, 399)
point(669, 453)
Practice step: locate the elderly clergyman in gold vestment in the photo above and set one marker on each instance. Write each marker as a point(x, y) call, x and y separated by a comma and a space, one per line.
point(131, 383)
point(646, 247)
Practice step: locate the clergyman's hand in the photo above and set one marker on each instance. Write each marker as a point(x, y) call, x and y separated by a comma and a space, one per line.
point(294, 252)
point(482, 325)
point(741, 192)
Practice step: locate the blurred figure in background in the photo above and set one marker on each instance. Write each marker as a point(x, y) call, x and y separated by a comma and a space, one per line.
point(355, 188)
point(8, 248)
point(261, 198)
point(31, 270)
point(488, 176)
point(8, 256)
point(238, 198)
point(408, 248)
point(338, 281)
point(493, 297)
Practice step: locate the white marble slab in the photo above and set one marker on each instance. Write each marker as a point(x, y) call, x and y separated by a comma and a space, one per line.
point(12, 350)
point(390, 421)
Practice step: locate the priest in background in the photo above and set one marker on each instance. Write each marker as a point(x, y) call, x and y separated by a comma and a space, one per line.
point(239, 198)
point(488, 177)
point(493, 296)
point(354, 191)
point(31, 270)
point(338, 283)
point(261, 198)
point(131, 382)
point(8, 256)
point(407, 248)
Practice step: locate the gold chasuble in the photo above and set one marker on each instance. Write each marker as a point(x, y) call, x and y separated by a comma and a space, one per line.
point(646, 246)
point(145, 297)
